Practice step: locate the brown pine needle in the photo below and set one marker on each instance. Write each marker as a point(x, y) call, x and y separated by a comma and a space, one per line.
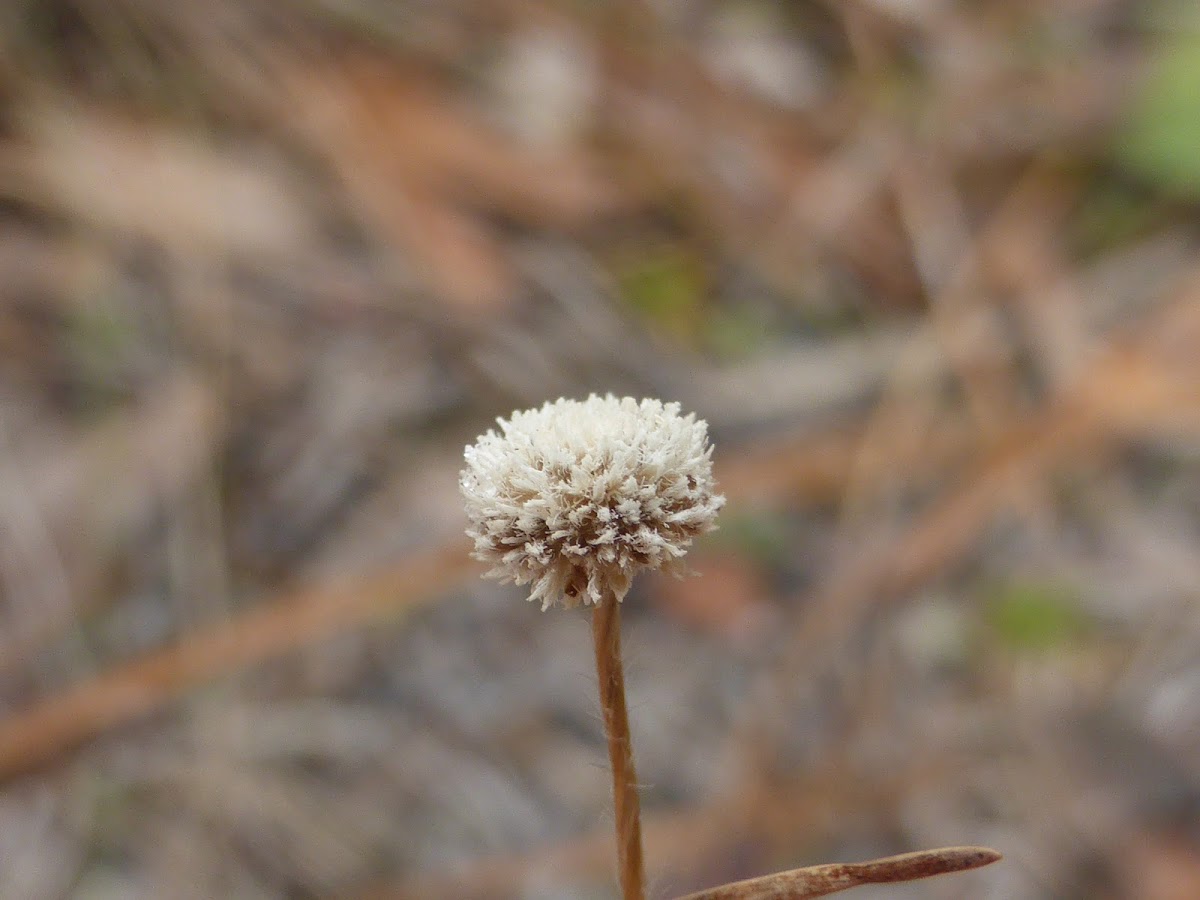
point(34, 737)
point(818, 881)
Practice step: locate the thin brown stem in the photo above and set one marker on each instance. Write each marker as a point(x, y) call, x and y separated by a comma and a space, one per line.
point(606, 633)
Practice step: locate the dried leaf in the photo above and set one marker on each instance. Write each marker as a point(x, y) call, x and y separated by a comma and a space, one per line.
point(819, 881)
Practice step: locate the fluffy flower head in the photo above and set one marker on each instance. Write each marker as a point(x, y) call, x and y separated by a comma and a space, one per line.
point(579, 496)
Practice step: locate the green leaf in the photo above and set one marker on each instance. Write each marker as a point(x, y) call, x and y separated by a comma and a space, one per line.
point(1035, 616)
point(760, 536)
point(735, 334)
point(667, 288)
point(1160, 140)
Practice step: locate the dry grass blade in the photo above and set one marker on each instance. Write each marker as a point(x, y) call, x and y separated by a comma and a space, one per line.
point(819, 881)
point(59, 723)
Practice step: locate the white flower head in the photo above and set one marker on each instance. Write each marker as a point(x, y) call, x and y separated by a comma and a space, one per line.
point(579, 496)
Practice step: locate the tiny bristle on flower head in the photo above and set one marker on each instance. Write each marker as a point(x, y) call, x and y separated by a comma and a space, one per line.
point(580, 495)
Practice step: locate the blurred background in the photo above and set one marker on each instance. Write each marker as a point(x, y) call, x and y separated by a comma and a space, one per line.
point(930, 271)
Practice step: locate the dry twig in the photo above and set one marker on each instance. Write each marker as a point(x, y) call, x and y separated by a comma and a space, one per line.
point(818, 881)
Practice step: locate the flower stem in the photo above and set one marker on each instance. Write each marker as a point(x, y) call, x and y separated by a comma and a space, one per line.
point(606, 633)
